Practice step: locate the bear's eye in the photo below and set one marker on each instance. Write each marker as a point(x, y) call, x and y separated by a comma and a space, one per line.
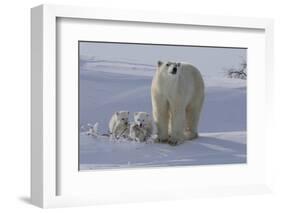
point(142, 120)
point(138, 119)
point(122, 119)
point(168, 64)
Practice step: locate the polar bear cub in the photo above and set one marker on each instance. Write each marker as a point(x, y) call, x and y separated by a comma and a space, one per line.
point(119, 124)
point(137, 133)
point(142, 127)
point(177, 93)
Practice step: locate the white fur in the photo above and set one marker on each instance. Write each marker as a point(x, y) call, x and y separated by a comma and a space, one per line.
point(142, 127)
point(177, 101)
point(137, 133)
point(119, 124)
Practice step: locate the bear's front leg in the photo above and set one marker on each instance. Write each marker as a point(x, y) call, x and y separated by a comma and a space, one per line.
point(161, 118)
point(177, 124)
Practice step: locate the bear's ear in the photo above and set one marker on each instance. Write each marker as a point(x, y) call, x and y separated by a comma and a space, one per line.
point(135, 113)
point(116, 113)
point(160, 63)
point(178, 64)
point(128, 112)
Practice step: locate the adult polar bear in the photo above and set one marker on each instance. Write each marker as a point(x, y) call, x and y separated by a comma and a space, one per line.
point(177, 93)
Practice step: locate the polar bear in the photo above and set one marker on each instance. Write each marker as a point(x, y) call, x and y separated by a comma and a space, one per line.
point(142, 127)
point(137, 133)
point(177, 93)
point(119, 124)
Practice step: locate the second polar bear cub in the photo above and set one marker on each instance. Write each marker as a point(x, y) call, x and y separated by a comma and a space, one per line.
point(142, 127)
point(119, 124)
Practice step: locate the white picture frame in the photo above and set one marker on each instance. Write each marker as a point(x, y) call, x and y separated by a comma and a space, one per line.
point(45, 168)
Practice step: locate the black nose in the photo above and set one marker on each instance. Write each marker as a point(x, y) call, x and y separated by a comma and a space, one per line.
point(174, 71)
point(140, 124)
point(126, 123)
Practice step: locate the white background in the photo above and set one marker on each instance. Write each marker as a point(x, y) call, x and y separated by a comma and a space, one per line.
point(15, 99)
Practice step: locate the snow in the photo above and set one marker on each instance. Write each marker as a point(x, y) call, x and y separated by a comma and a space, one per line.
point(209, 148)
point(123, 83)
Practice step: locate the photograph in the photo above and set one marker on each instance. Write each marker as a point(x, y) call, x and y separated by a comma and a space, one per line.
point(161, 105)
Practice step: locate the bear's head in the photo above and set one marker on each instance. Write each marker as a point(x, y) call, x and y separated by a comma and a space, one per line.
point(141, 119)
point(169, 67)
point(122, 117)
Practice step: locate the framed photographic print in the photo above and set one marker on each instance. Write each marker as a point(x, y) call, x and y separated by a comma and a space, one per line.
point(147, 105)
